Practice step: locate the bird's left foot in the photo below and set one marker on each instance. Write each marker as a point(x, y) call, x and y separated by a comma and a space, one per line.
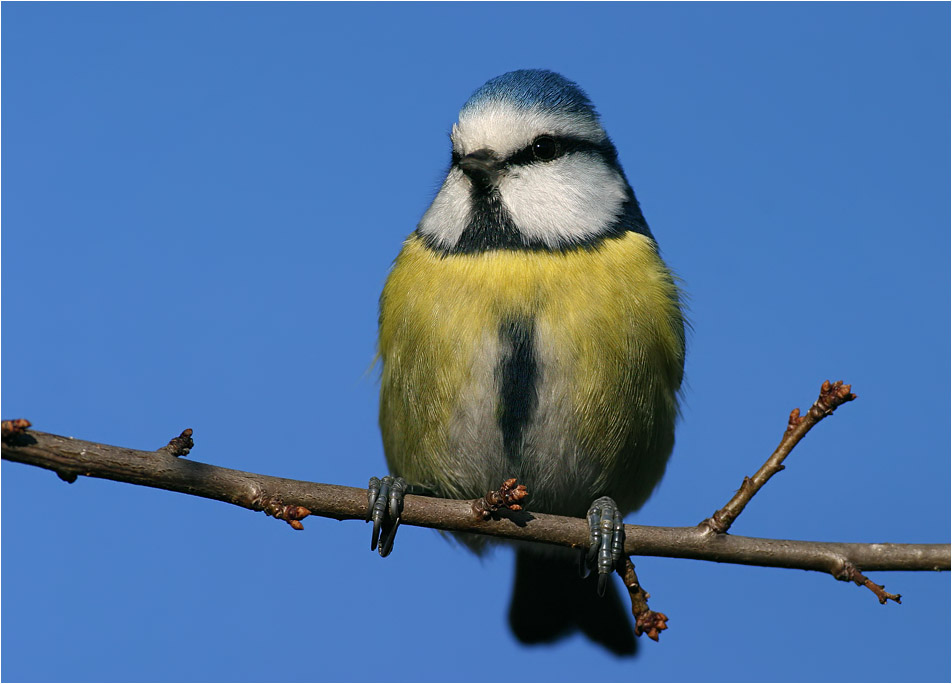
point(608, 540)
point(384, 508)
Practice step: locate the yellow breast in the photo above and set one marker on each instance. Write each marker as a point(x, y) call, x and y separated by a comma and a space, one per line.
point(608, 335)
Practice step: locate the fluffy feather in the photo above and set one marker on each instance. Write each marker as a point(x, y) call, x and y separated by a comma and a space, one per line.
point(609, 338)
point(530, 329)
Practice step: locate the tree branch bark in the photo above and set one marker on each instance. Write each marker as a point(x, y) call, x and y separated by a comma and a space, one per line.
point(292, 500)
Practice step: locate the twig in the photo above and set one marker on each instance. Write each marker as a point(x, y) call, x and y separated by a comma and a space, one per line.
point(851, 574)
point(71, 457)
point(832, 395)
point(10, 428)
point(181, 445)
point(506, 497)
point(647, 621)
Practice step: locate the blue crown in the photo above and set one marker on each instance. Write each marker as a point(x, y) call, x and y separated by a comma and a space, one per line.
point(531, 88)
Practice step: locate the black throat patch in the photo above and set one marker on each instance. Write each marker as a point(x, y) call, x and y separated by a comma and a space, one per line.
point(517, 376)
point(490, 225)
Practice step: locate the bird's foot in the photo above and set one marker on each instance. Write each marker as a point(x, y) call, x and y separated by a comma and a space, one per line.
point(384, 508)
point(608, 540)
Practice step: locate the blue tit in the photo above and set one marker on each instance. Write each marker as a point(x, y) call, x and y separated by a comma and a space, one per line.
point(530, 329)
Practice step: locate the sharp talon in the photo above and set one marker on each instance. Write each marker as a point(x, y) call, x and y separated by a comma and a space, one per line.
point(602, 583)
point(386, 546)
point(583, 564)
point(592, 556)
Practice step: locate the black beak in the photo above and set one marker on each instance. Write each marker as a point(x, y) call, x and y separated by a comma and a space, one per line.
point(482, 167)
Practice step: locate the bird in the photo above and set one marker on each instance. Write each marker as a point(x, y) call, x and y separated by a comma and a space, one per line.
point(530, 329)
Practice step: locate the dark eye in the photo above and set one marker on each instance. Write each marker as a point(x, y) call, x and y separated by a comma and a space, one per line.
point(545, 148)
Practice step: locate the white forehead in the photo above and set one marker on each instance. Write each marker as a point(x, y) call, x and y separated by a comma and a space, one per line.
point(505, 128)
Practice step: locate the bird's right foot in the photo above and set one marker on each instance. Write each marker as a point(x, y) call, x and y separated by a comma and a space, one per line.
point(607, 532)
point(384, 508)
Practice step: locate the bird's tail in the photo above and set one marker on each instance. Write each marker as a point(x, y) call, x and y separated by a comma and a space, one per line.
point(551, 601)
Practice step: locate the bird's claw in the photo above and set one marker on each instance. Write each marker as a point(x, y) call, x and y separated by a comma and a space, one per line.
point(607, 540)
point(384, 508)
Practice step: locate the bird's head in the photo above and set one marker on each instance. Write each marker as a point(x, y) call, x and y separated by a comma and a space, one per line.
point(532, 168)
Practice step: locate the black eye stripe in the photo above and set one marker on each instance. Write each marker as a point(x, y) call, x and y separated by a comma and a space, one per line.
point(564, 145)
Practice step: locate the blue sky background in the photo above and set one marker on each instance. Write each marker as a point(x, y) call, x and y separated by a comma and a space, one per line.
point(200, 206)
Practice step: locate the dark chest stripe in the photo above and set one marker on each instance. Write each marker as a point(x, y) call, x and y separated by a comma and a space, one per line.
point(517, 377)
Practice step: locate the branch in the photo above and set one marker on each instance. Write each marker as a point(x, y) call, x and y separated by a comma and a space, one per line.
point(294, 499)
point(647, 621)
point(832, 395)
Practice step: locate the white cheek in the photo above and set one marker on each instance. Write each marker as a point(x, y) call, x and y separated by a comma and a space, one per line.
point(448, 216)
point(565, 200)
